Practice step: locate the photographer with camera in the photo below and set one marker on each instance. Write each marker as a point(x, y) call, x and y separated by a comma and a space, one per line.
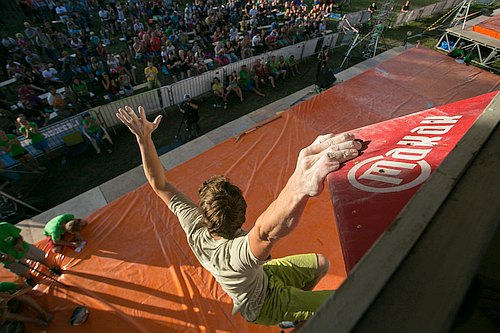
point(322, 61)
point(190, 118)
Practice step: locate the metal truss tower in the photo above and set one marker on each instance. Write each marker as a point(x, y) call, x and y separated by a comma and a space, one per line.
point(381, 19)
point(462, 13)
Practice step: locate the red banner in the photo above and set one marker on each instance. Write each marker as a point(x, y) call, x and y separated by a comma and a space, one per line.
point(370, 191)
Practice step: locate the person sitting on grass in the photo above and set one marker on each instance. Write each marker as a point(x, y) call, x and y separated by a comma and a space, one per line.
point(11, 292)
point(218, 90)
point(14, 252)
point(262, 74)
point(56, 100)
point(273, 66)
point(93, 128)
point(233, 86)
point(64, 230)
point(110, 89)
point(293, 65)
point(247, 81)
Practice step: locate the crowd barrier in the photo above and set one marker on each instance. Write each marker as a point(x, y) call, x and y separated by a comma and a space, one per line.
point(173, 94)
point(160, 99)
point(424, 12)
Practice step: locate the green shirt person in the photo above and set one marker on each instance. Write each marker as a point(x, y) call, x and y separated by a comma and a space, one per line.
point(11, 241)
point(11, 145)
point(60, 225)
point(31, 132)
point(80, 88)
point(458, 52)
point(9, 287)
point(246, 80)
point(14, 292)
point(90, 124)
point(93, 128)
point(245, 77)
point(14, 250)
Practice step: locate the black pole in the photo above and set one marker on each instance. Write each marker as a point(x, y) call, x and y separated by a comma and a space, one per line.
point(43, 274)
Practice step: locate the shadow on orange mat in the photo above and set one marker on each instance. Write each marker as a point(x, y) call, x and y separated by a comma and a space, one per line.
point(137, 273)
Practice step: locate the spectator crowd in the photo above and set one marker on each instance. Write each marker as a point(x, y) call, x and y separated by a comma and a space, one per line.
point(76, 54)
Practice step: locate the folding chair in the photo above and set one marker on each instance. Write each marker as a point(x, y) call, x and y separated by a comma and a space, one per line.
point(75, 145)
point(93, 141)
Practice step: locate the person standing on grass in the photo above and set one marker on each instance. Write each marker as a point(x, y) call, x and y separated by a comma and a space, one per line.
point(264, 291)
point(151, 74)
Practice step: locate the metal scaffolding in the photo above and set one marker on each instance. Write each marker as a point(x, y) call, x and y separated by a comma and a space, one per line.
point(381, 20)
point(483, 50)
point(462, 13)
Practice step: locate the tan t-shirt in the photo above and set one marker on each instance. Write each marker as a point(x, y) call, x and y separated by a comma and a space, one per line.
point(230, 261)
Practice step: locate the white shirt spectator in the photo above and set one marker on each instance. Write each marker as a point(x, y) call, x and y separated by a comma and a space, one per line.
point(254, 22)
point(50, 99)
point(104, 15)
point(233, 34)
point(253, 12)
point(138, 26)
point(30, 32)
point(10, 44)
point(171, 48)
point(195, 47)
point(76, 43)
point(50, 74)
point(113, 63)
point(62, 12)
point(164, 55)
point(120, 13)
point(15, 69)
point(256, 40)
